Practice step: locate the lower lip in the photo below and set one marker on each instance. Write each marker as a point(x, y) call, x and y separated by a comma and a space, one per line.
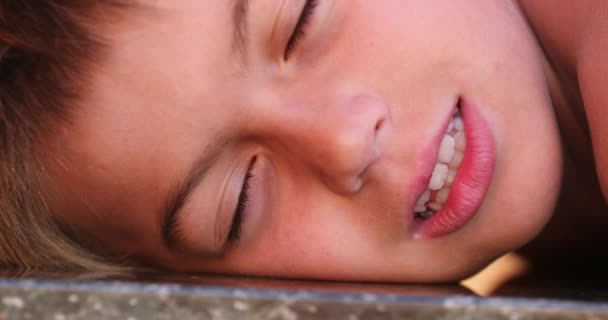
point(472, 179)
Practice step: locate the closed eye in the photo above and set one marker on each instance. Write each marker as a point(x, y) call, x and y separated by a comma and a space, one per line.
point(298, 32)
point(241, 208)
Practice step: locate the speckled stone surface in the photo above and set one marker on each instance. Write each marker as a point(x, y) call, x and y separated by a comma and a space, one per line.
point(186, 298)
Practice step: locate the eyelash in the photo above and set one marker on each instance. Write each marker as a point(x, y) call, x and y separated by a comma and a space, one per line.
point(298, 32)
point(237, 218)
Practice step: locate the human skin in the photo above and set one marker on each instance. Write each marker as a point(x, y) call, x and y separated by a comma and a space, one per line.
point(338, 129)
point(573, 36)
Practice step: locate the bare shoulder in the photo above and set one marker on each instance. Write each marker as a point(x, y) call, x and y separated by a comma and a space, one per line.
point(592, 72)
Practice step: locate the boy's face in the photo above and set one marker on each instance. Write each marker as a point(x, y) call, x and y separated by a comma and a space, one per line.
point(340, 132)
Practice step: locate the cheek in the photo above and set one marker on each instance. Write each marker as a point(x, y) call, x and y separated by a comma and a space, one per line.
point(309, 234)
point(417, 44)
point(528, 180)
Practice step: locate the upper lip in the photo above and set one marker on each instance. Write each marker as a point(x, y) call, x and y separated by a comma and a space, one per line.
point(428, 158)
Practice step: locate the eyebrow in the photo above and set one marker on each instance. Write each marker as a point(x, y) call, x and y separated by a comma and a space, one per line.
point(239, 20)
point(179, 194)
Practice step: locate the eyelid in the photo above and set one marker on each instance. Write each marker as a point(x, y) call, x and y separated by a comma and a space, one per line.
point(227, 205)
point(242, 206)
point(276, 26)
point(180, 195)
point(288, 14)
point(299, 30)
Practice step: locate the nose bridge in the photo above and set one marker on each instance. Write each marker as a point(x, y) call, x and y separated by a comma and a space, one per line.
point(337, 139)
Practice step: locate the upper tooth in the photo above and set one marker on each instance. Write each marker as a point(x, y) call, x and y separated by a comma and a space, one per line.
point(439, 174)
point(446, 149)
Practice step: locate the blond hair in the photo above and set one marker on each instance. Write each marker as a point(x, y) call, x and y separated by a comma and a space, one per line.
point(47, 50)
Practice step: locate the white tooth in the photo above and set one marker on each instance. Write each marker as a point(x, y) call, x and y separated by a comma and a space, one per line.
point(423, 199)
point(420, 209)
point(460, 141)
point(446, 149)
point(439, 174)
point(456, 160)
point(451, 175)
point(458, 124)
point(450, 126)
point(442, 195)
point(434, 206)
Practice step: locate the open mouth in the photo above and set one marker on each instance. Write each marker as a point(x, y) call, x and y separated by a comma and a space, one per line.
point(449, 158)
point(461, 177)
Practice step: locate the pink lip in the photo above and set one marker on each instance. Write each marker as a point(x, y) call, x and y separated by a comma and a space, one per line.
point(471, 182)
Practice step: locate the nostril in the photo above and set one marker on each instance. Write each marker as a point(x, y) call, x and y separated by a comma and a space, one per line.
point(380, 129)
point(376, 142)
point(379, 125)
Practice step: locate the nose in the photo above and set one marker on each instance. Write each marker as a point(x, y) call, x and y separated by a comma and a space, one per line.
point(337, 141)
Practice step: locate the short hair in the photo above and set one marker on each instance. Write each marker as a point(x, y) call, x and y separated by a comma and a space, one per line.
point(48, 49)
